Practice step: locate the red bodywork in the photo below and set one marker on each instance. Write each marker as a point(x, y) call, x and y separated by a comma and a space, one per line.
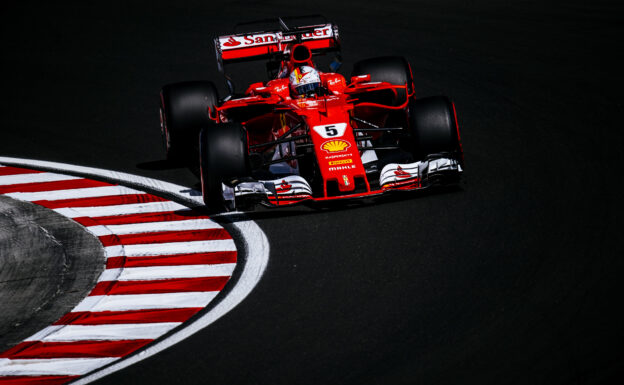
point(336, 150)
point(322, 124)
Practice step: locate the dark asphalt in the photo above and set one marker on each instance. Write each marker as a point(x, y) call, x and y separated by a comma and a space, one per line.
point(48, 264)
point(513, 279)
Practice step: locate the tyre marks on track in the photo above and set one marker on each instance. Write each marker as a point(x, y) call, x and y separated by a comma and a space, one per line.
point(164, 263)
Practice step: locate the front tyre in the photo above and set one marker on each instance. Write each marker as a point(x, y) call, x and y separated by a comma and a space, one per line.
point(222, 158)
point(392, 69)
point(183, 112)
point(434, 129)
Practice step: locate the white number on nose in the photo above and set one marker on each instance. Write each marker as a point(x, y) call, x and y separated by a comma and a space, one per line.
point(331, 130)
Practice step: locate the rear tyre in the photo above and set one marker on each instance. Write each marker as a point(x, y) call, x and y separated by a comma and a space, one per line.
point(433, 128)
point(222, 158)
point(392, 69)
point(183, 112)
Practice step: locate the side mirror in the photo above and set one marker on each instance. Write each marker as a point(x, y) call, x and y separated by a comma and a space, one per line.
point(335, 65)
point(360, 79)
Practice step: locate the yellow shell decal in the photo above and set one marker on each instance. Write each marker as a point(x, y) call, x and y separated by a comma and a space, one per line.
point(335, 145)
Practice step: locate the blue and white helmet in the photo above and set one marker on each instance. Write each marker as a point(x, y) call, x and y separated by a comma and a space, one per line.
point(304, 80)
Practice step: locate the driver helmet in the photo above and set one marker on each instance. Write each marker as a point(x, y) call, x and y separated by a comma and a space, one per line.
point(304, 80)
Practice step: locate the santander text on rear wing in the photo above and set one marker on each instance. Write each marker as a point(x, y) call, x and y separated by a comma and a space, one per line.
point(260, 45)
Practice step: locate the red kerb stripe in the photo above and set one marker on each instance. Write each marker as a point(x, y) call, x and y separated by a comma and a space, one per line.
point(164, 237)
point(101, 201)
point(74, 349)
point(16, 171)
point(159, 286)
point(36, 380)
point(50, 186)
point(141, 218)
point(128, 316)
point(173, 260)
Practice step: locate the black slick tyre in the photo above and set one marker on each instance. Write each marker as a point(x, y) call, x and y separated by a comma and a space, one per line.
point(433, 128)
point(183, 112)
point(392, 69)
point(222, 158)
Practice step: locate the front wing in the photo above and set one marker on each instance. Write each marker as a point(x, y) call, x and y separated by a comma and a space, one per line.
point(294, 189)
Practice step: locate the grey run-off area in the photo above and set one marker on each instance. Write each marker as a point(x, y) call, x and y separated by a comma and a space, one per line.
point(48, 263)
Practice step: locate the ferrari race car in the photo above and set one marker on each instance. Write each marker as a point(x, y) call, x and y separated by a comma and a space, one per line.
point(306, 135)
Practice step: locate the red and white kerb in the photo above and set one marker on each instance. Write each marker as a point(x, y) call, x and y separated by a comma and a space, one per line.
point(164, 263)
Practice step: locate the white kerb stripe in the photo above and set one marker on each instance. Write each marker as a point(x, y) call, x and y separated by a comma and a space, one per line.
point(257, 259)
point(52, 366)
point(152, 249)
point(167, 272)
point(34, 178)
point(134, 208)
point(145, 301)
point(113, 332)
point(90, 192)
point(137, 228)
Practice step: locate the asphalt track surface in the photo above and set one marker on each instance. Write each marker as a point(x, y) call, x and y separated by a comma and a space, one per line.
point(511, 279)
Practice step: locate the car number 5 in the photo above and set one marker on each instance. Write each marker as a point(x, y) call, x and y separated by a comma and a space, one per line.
point(331, 131)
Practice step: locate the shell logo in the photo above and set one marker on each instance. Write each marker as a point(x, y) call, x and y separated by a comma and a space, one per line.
point(335, 145)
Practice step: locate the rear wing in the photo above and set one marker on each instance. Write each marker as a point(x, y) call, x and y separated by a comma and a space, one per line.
point(239, 47)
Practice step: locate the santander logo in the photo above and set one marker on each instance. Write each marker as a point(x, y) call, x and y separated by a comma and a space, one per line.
point(231, 42)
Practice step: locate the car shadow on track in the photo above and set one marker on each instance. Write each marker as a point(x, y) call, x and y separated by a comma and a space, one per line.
point(310, 208)
point(158, 165)
point(332, 206)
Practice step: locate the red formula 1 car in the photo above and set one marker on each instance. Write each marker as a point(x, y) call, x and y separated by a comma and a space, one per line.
point(306, 135)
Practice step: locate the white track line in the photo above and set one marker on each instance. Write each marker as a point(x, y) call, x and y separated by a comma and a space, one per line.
point(257, 257)
point(167, 272)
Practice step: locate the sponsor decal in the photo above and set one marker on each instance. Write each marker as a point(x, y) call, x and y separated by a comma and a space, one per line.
point(228, 42)
point(345, 179)
point(258, 39)
point(342, 161)
point(335, 156)
point(336, 145)
point(298, 74)
point(400, 173)
point(283, 187)
point(339, 168)
point(283, 127)
point(231, 42)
